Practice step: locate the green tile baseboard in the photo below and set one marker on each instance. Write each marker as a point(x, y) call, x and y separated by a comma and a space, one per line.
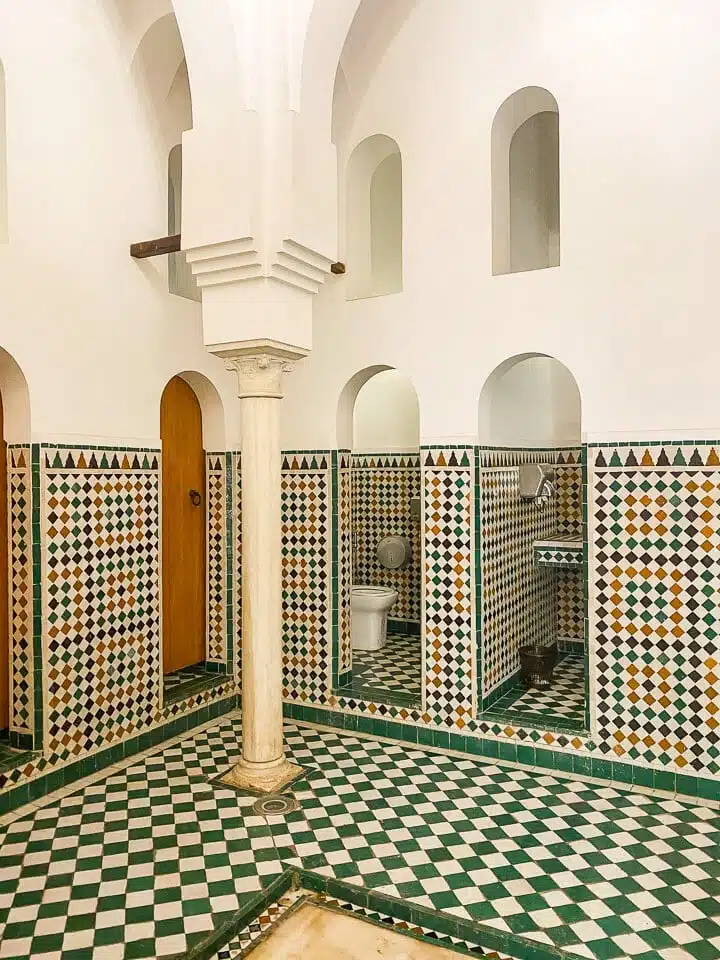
point(627, 774)
point(406, 628)
point(54, 778)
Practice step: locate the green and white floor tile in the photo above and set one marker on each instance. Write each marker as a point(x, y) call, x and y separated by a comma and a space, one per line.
point(152, 859)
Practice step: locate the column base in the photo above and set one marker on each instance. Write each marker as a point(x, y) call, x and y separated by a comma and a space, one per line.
point(259, 779)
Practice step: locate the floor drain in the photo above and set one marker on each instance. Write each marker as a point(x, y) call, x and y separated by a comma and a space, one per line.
point(276, 805)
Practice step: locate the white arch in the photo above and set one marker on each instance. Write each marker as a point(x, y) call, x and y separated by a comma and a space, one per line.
point(16, 400)
point(530, 400)
point(374, 217)
point(512, 114)
point(211, 407)
point(356, 31)
point(347, 402)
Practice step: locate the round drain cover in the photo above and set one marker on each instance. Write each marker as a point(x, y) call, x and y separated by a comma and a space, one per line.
point(275, 805)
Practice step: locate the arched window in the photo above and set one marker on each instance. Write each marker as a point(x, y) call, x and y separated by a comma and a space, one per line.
point(374, 219)
point(526, 182)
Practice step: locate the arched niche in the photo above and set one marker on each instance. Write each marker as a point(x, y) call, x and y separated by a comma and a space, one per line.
point(378, 412)
point(181, 280)
point(211, 407)
point(525, 165)
point(161, 73)
point(530, 400)
point(374, 218)
point(15, 400)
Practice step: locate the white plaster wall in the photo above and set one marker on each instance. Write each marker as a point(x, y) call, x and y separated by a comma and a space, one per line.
point(386, 417)
point(533, 403)
point(632, 308)
point(96, 334)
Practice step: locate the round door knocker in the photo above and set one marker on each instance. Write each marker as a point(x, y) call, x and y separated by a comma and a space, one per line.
point(195, 498)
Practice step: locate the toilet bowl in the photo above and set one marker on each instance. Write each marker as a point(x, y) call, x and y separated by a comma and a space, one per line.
point(369, 607)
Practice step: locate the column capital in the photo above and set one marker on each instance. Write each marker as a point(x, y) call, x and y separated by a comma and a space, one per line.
point(259, 365)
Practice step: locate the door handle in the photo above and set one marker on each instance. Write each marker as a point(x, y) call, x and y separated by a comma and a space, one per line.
point(195, 498)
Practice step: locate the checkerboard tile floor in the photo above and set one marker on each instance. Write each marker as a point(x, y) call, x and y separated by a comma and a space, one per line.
point(147, 862)
point(562, 704)
point(143, 864)
point(593, 871)
point(395, 669)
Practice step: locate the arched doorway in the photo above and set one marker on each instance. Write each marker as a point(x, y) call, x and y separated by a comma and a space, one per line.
point(183, 527)
point(533, 589)
point(379, 420)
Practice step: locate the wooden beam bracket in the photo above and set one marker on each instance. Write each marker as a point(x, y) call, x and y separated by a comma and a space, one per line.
point(155, 248)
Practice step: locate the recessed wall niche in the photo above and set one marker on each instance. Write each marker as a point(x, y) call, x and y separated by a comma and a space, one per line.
point(181, 281)
point(526, 182)
point(374, 219)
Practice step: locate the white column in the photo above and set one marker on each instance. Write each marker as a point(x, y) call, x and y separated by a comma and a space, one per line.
point(263, 766)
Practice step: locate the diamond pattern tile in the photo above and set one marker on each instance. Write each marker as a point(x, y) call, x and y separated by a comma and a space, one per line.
point(345, 561)
point(382, 486)
point(519, 601)
point(20, 592)
point(568, 492)
point(449, 626)
point(655, 536)
point(237, 539)
point(216, 497)
point(570, 605)
point(101, 575)
point(306, 570)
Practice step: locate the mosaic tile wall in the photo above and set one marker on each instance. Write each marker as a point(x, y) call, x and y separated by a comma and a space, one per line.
point(448, 717)
point(236, 562)
point(20, 594)
point(216, 499)
point(101, 604)
point(570, 587)
point(96, 567)
point(306, 575)
point(655, 552)
point(518, 598)
point(343, 571)
point(450, 656)
point(382, 486)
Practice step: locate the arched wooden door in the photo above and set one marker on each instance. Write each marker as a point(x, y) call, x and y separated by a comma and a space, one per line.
point(4, 628)
point(183, 527)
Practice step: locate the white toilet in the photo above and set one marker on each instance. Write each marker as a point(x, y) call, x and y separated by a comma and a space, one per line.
point(369, 606)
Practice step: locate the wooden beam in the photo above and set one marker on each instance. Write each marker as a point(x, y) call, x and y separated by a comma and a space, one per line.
point(155, 248)
point(337, 268)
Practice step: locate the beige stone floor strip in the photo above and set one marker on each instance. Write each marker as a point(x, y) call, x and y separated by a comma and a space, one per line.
point(315, 933)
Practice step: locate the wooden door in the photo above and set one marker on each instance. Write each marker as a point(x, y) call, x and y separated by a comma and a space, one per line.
point(4, 628)
point(183, 527)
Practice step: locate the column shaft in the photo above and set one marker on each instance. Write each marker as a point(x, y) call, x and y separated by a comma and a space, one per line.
point(262, 744)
